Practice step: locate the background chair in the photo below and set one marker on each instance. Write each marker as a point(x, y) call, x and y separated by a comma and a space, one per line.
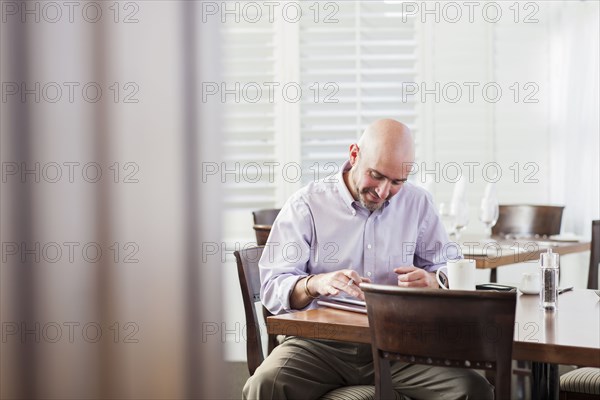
point(580, 384)
point(465, 329)
point(584, 383)
point(263, 220)
point(524, 219)
point(248, 273)
point(594, 256)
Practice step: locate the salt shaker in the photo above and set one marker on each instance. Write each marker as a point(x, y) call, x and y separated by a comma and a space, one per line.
point(549, 282)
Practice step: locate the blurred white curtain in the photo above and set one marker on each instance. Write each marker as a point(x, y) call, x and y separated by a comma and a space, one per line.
point(575, 168)
point(146, 298)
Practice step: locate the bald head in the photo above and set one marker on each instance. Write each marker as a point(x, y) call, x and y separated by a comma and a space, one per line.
point(381, 162)
point(388, 138)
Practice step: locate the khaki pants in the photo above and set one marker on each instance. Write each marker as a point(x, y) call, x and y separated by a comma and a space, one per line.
point(306, 369)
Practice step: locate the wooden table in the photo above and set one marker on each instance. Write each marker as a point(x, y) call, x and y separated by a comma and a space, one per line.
point(571, 335)
point(499, 253)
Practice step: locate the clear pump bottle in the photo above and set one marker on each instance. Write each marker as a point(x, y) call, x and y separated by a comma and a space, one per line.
point(549, 280)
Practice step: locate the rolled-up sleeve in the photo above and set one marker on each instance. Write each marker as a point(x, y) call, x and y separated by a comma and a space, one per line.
point(286, 254)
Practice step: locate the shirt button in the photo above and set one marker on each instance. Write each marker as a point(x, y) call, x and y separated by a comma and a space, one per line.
point(354, 212)
point(369, 273)
point(369, 246)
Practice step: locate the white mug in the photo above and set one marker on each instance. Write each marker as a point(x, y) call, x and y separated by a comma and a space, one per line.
point(530, 283)
point(461, 275)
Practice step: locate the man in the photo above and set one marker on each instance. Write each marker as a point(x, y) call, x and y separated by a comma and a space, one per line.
point(364, 224)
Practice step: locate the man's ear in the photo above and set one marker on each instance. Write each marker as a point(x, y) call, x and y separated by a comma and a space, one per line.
point(354, 149)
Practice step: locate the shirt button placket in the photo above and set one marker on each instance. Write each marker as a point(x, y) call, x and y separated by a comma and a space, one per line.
point(370, 253)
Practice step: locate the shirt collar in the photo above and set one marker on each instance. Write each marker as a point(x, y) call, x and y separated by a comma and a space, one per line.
point(343, 189)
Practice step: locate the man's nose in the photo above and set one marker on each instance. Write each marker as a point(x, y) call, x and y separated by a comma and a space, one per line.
point(383, 190)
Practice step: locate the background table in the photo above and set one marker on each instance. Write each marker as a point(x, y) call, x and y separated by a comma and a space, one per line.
point(532, 249)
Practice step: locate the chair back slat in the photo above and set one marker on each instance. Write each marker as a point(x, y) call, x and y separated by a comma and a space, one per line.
point(528, 220)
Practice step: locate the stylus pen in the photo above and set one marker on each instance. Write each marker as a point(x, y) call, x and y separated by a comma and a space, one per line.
point(567, 289)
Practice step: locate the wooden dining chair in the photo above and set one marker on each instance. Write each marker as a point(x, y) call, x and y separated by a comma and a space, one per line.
point(265, 216)
point(248, 274)
point(249, 277)
point(455, 328)
point(263, 220)
point(584, 383)
point(594, 256)
point(580, 384)
point(526, 219)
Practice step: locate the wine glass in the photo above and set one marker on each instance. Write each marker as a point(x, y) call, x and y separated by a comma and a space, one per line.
point(460, 210)
point(488, 214)
point(448, 219)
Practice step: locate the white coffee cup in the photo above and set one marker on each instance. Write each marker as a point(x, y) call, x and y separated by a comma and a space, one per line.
point(460, 273)
point(530, 283)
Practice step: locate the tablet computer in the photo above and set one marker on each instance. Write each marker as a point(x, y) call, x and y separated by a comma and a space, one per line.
point(346, 304)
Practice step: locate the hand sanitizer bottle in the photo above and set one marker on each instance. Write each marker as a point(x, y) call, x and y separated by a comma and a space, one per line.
point(549, 282)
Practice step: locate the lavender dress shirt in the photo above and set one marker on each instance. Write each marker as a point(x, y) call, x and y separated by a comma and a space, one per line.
point(321, 228)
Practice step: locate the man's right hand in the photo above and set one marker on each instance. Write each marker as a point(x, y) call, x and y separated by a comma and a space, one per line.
point(332, 283)
point(328, 284)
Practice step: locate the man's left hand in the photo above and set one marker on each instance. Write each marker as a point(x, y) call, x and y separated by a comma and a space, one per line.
point(413, 277)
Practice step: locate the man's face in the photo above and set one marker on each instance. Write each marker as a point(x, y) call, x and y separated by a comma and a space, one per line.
point(376, 179)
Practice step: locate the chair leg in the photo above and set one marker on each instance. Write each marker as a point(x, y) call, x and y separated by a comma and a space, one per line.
point(523, 372)
point(520, 387)
point(545, 381)
point(383, 379)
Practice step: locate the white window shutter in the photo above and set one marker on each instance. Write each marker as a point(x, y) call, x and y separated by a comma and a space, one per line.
point(354, 70)
point(249, 124)
point(249, 120)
